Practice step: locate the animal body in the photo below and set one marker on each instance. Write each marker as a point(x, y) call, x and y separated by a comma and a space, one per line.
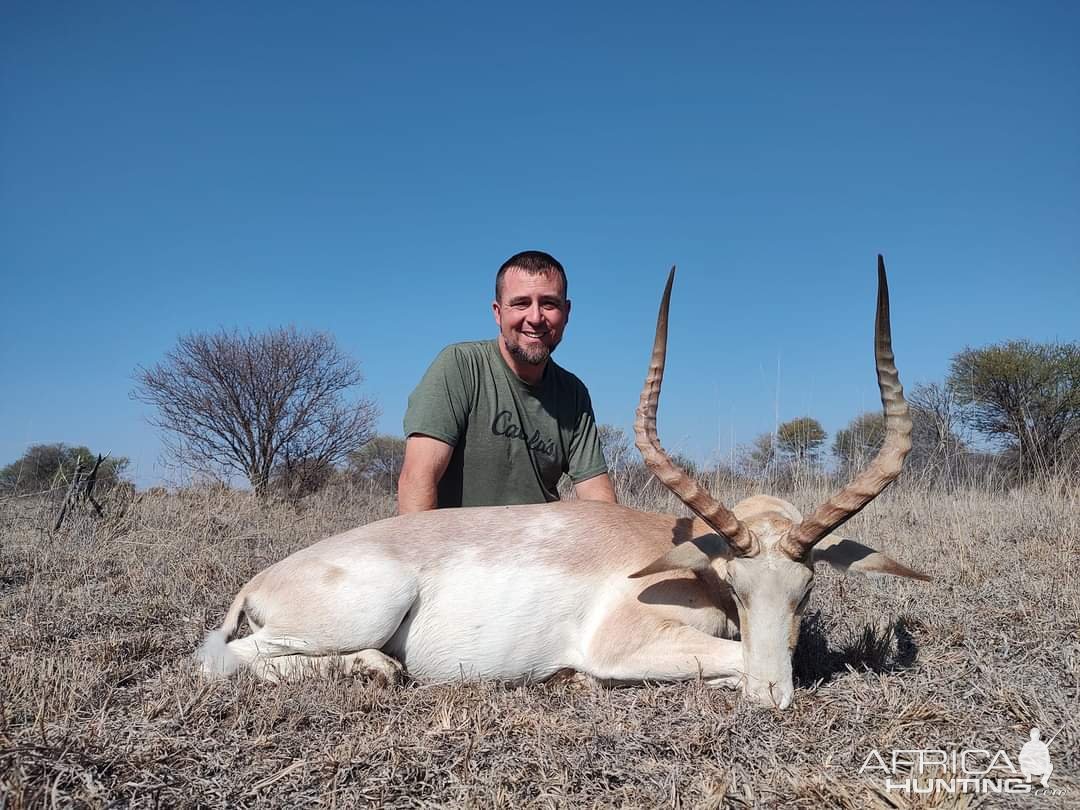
point(523, 592)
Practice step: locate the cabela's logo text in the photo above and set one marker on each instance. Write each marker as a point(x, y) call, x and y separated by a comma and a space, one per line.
point(503, 425)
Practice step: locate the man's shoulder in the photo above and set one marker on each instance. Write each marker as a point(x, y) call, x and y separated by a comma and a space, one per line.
point(468, 349)
point(467, 354)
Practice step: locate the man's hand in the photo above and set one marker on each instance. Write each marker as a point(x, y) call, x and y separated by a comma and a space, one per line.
point(597, 488)
point(425, 462)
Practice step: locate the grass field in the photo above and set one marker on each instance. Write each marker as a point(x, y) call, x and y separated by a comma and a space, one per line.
point(100, 705)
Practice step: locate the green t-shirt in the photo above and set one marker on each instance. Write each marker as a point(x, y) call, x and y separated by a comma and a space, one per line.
point(511, 440)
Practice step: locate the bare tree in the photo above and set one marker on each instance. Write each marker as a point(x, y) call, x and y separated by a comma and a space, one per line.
point(937, 436)
point(936, 446)
point(295, 478)
point(616, 448)
point(258, 403)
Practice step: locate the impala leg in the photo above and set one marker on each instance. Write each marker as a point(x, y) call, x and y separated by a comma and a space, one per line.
point(665, 651)
point(367, 663)
point(275, 668)
point(571, 679)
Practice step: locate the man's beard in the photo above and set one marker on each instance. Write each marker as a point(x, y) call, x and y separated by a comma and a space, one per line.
point(533, 355)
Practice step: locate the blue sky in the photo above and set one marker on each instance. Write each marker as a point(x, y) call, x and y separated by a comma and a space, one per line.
point(364, 168)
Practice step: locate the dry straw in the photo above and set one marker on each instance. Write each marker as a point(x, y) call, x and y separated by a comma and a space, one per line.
point(99, 705)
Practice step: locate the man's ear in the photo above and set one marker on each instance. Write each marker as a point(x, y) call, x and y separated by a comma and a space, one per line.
point(847, 555)
point(690, 555)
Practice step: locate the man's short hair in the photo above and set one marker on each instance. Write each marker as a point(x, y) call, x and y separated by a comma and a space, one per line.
point(533, 262)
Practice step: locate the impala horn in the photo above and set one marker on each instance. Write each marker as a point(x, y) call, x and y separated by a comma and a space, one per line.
point(714, 513)
point(889, 460)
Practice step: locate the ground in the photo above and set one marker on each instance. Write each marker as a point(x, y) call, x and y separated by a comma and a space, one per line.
point(100, 705)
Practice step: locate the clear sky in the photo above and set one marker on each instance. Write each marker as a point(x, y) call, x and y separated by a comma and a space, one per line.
point(364, 168)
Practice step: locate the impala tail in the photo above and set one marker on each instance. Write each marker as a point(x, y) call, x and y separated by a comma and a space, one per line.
point(214, 654)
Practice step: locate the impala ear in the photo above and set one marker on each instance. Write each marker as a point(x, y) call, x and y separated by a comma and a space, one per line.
point(692, 555)
point(847, 555)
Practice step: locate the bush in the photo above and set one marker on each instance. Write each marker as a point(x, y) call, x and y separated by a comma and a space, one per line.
point(44, 466)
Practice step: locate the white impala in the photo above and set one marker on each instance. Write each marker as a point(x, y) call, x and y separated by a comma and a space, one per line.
point(522, 592)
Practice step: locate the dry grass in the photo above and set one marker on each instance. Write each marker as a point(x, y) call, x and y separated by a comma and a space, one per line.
point(100, 705)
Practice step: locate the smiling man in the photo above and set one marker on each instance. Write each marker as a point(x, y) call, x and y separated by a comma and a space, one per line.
point(498, 422)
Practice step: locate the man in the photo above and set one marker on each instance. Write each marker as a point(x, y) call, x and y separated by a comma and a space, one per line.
point(497, 422)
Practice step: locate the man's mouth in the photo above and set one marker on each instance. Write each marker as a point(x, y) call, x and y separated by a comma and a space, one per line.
point(534, 335)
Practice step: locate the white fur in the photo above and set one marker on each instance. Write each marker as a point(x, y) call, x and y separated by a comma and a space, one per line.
point(215, 656)
point(483, 620)
point(508, 593)
point(519, 593)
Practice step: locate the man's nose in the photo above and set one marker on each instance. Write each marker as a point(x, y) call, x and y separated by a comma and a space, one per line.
point(535, 314)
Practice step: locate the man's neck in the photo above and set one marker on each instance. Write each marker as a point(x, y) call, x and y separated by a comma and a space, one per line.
point(526, 372)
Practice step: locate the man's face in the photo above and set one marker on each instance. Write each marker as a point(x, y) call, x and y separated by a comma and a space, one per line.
point(531, 313)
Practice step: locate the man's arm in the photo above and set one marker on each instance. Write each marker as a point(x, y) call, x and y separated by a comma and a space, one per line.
point(425, 462)
point(597, 488)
